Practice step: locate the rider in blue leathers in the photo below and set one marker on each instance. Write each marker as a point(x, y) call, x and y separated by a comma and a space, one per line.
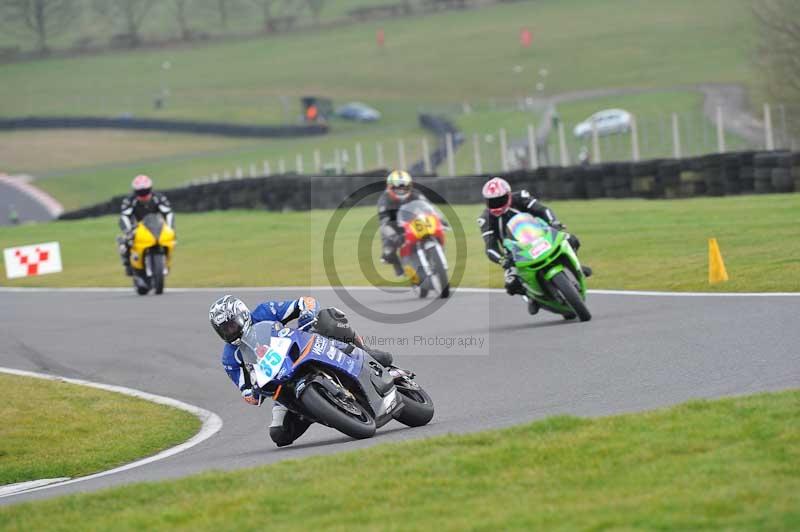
point(230, 318)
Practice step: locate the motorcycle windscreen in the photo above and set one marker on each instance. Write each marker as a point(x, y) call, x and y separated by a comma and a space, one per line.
point(153, 222)
point(530, 233)
point(265, 352)
point(415, 209)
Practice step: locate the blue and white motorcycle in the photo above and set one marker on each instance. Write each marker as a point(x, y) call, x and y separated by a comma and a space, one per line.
point(331, 382)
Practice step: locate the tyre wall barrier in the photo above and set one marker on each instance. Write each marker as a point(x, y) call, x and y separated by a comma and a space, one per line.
point(708, 175)
point(172, 126)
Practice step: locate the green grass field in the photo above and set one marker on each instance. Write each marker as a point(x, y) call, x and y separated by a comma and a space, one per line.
point(80, 430)
point(613, 43)
point(631, 244)
point(728, 464)
point(582, 44)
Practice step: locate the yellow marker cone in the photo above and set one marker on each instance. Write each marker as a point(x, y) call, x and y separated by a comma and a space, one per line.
point(716, 267)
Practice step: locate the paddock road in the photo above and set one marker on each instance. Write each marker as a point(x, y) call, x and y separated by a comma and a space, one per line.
point(485, 361)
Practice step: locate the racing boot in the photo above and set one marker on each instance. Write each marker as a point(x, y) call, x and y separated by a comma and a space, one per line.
point(390, 257)
point(533, 306)
point(125, 255)
point(587, 271)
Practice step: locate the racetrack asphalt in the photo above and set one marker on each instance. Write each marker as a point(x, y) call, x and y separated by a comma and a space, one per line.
point(639, 352)
point(28, 208)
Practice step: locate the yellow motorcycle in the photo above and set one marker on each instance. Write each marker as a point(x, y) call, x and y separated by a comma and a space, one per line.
point(151, 253)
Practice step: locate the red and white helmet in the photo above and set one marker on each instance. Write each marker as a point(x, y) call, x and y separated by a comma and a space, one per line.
point(497, 195)
point(142, 185)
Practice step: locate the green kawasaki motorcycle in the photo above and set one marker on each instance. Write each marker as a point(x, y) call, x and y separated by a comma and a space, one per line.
point(547, 266)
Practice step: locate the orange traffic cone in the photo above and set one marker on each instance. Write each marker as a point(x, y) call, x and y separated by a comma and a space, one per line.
point(716, 267)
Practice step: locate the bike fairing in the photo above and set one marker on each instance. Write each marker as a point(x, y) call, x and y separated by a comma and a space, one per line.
point(304, 309)
point(494, 230)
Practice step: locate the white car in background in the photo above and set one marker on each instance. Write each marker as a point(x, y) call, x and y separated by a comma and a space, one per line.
point(607, 122)
point(359, 112)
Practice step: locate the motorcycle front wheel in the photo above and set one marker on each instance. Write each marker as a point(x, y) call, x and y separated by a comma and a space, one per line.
point(572, 295)
point(157, 267)
point(346, 416)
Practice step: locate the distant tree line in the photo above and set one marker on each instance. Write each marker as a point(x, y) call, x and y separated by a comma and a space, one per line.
point(779, 51)
point(44, 20)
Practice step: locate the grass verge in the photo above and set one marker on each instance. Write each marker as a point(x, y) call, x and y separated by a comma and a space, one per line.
point(631, 244)
point(729, 464)
point(612, 43)
point(79, 430)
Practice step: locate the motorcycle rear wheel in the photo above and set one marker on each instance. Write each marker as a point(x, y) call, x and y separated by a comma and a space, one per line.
point(572, 296)
point(330, 411)
point(418, 406)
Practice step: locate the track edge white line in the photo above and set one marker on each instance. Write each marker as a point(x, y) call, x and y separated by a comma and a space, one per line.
point(231, 289)
point(211, 424)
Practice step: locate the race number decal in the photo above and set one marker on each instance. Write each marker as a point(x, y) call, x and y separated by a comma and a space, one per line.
point(423, 226)
point(270, 359)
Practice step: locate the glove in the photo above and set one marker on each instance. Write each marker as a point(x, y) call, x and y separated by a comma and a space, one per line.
point(307, 319)
point(507, 262)
point(249, 398)
point(558, 226)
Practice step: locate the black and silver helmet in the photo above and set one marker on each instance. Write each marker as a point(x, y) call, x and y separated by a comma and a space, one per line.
point(230, 318)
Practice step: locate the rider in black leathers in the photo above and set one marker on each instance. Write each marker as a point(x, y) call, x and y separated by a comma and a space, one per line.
point(501, 205)
point(399, 191)
point(136, 206)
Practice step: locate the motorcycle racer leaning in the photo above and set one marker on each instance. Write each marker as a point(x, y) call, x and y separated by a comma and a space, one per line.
point(230, 318)
point(134, 208)
point(399, 191)
point(501, 205)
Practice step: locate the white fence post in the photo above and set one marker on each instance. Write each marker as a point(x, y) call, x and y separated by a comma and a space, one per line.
point(379, 155)
point(281, 166)
point(266, 168)
point(253, 170)
point(476, 154)
point(359, 158)
point(298, 163)
point(317, 161)
point(451, 163)
point(769, 140)
point(401, 154)
point(562, 145)
point(676, 137)
point(596, 158)
point(634, 139)
point(720, 131)
point(337, 161)
point(426, 156)
point(533, 154)
point(239, 172)
point(503, 150)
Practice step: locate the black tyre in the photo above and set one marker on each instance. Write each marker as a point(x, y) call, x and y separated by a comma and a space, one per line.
point(349, 418)
point(418, 409)
point(569, 290)
point(157, 265)
point(439, 273)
